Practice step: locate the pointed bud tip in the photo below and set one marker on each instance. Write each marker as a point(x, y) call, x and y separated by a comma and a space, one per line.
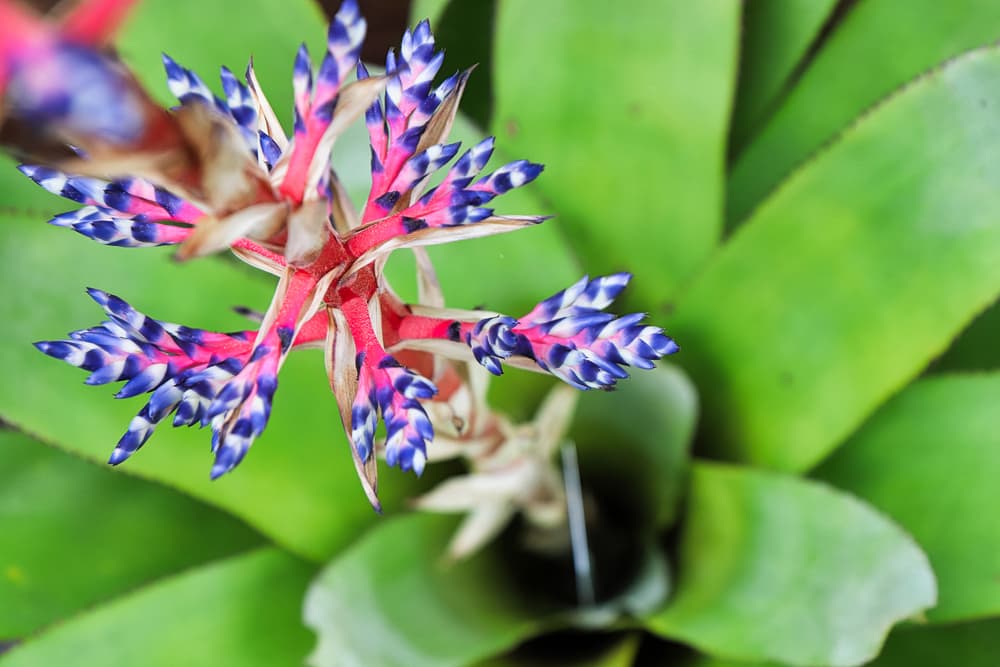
point(118, 455)
point(419, 462)
point(98, 295)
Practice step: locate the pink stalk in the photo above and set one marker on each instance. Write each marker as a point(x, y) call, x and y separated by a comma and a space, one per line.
point(293, 187)
point(374, 234)
point(415, 327)
point(355, 309)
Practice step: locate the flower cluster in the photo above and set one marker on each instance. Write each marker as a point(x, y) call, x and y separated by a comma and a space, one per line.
point(276, 203)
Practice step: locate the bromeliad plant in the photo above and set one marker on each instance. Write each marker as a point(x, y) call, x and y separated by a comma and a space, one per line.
point(275, 201)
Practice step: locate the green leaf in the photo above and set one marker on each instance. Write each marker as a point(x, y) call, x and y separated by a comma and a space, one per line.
point(778, 568)
point(242, 611)
point(879, 46)
point(638, 439)
point(74, 535)
point(939, 435)
point(854, 275)
point(627, 108)
point(776, 37)
point(391, 601)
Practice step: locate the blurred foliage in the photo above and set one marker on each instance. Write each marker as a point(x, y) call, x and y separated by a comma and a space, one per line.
point(930, 458)
point(123, 532)
point(849, 145)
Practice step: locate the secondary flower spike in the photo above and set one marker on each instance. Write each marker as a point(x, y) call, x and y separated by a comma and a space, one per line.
point(281, 208)
point(59, 84)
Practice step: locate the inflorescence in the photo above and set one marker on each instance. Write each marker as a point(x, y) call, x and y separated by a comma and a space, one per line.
point(276, 203)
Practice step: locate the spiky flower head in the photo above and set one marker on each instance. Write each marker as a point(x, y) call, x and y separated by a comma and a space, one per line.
point(274, 200)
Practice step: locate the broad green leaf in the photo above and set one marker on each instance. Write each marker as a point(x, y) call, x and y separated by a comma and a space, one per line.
point(627, 108)
point(299, 468)
point(776, 37)
point(778, 568)
point(74, 535)
point(572, 651)
point(242, 611)
point(879, 46)
point(854, 275)
point(391, 600)
point(938, 435)
point(637, 439)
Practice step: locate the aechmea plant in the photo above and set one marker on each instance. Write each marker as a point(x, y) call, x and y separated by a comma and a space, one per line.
point(274, 201)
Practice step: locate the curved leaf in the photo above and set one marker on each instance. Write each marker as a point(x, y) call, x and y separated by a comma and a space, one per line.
point(880, 45)
point(242, 611)
point(852, 276)
point(931, 459)
point(627, 108)
point(776, 568)
point(74, 534)
point(392, 601)
point(638, 438)
point(776, 37)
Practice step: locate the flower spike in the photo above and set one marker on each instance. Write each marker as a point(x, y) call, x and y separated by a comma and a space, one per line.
point(225, 176)
point(568, 335)
point(571, 337)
